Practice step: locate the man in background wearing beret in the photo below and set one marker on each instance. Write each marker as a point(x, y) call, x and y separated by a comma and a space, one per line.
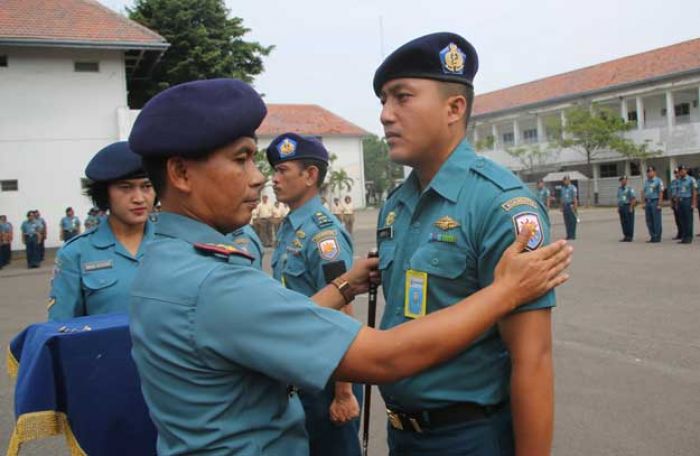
point(439, 236)
point(310, 241)
point(217, 343)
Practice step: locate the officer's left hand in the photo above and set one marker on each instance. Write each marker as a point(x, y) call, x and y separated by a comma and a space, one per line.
point(344, 409)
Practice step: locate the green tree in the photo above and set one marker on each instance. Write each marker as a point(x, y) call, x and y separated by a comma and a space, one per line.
point(530, 157)
point(486, 143)
point(592, 131)
point(337, 180)
point(204, 42)
point(380, 171)
point(264, 166)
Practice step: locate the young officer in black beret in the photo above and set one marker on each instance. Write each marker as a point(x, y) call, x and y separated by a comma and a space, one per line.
point(309, 239)
point(217, 342)
point(440, 235)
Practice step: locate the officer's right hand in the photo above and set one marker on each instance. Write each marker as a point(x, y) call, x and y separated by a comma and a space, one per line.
point(528, 275)
point(364, 271)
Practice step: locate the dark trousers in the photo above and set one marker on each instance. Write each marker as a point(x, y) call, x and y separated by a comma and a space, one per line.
point(570, 221)
point(677, 219)
point(325, 438)
point(68, 235)
point(42, 249)
point(33, 254)
point(653, 218)
point(492, 436)
point(5, 250)
point(685, 214)
point(626, 221)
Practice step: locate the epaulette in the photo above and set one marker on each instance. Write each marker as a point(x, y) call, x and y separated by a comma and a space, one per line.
point(221, 250)
point(500, 176)
point(322, 220)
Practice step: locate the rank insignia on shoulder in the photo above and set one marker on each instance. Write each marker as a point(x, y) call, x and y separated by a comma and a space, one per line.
point(519, 201)
point(529, 221)
point(301, 234)
point(327, 245)
point(446, 223)
point(322, 219)
point(52, 301)
point(390, 218)
point(221, 250)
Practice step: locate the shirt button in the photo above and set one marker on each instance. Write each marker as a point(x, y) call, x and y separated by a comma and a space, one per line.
point(435, 261)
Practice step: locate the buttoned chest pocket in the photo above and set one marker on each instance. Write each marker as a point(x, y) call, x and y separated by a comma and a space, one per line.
point(386, 255)
point(97, 281)
point(448, 262)
point(294, 265)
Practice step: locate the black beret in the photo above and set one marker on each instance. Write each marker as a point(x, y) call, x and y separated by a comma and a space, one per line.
point(195, 118)
point(680, 167)
point(115, 161)
point(291, 146)
point(650, 168)
point(441, 56)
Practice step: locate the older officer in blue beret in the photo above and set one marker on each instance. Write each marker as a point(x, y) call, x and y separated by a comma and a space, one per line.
point(440, 236)
point(218, 343)
point(94, 270)
point(309, 240)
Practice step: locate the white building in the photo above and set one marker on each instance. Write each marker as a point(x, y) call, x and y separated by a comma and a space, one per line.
point(63, 73)
point(658, 90)
point(64, 68)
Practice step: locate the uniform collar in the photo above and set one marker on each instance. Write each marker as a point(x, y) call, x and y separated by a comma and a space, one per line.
point(103, 237)
point(188, 229)
point(449, 178)
point(301, 214)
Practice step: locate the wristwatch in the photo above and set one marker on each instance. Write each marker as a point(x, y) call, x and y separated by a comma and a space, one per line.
point(344, 288)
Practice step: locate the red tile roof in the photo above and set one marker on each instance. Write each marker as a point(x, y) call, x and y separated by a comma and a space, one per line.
point(71, 21)
point(652, 64)
point(307, 119)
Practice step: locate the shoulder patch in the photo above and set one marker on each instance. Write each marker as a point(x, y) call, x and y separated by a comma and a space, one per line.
point(327, 244)
point(519, 201)
point(529, 221)
point(500, 176)
point(324, 234)
point(322, 220)
point(221, 250)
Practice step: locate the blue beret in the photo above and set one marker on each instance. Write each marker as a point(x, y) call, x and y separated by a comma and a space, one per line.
point(195, 118)
point(115, 161)
point(441, 56)
point(291, 146)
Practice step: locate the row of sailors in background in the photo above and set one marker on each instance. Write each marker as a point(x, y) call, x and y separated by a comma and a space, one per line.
point(682, 195)
point(268, 216)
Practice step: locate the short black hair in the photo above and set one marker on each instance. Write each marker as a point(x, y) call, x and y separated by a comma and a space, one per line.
point(451, 89)
point(98, 192)
point(69, 209)
point(29, 213)
point(319, 164)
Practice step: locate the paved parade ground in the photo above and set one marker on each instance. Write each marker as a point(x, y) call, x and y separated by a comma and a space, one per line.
point(627, 341)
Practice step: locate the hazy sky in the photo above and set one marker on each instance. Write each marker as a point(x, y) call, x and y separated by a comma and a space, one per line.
point(326, 51)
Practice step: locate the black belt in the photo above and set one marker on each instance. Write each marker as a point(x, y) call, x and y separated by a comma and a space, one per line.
point(423, 420)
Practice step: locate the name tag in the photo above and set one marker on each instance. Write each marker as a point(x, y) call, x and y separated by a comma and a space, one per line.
point(97, 265)
point(415, 303)
point(385, 233)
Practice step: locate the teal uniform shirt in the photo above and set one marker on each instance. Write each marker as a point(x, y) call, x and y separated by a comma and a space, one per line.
point(568, 194)
point(5, 227)
point(30, 228)
point(455, 231)
point(309, 237)
point(246, 239)
point(686, 186)
point(625, 195)
point(93, 274)
point(673, 188)
point(653, 188)
point(544, 194)
point(70, 223)
point(217, 342)
point(91, 221)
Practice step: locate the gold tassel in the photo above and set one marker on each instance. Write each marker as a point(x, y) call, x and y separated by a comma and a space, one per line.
point(37, 425)
point(12, 365)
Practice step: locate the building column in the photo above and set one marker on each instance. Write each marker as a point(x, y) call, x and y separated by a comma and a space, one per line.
point(628, 168)
point(640, 113)
point(516, 132)
point(541, 132)
point(494, 133)
point(672, 164)
point(623, 110)
point(596, 176)
point(563, 124)
point(670, 110)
